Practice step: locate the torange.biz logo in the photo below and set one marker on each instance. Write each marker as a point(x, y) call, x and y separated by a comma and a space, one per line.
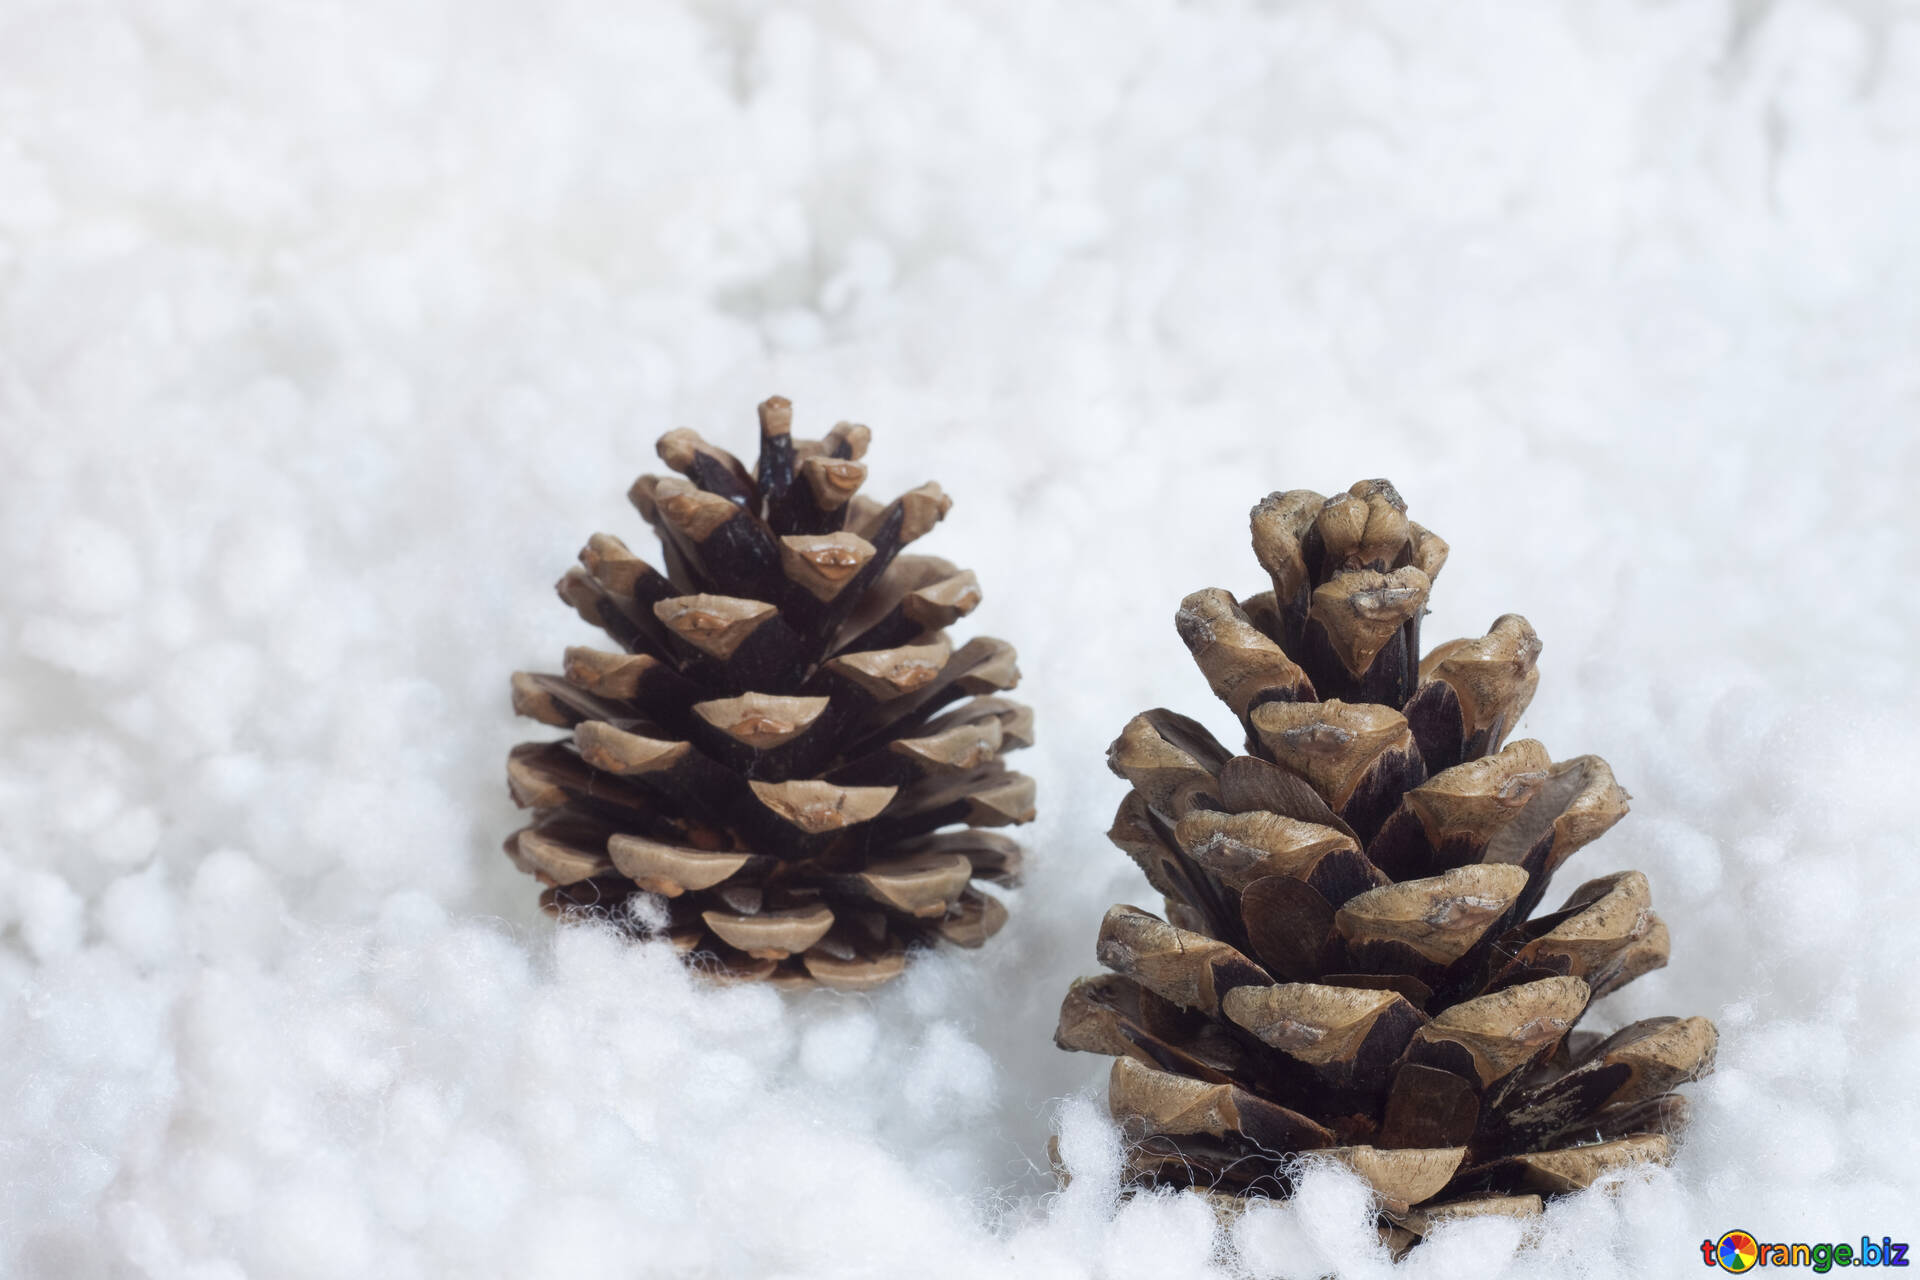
point(1738, 1251)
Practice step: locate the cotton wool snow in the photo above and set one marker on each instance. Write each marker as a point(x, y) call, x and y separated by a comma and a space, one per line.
point(325, 332)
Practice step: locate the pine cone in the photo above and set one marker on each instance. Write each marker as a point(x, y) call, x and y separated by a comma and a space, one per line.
point(1348, 966)
point(785, 728)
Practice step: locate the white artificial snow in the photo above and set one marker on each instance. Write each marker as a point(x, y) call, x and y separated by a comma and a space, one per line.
point(329, 331)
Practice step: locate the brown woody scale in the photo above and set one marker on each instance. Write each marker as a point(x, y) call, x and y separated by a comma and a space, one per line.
point(1348, 965)
point(785, 745)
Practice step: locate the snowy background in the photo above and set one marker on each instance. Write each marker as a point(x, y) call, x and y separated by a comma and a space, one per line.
point(328, 333)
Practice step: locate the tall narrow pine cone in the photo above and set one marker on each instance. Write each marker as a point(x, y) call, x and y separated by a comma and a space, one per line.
point(1350, 965)
point(783, 745)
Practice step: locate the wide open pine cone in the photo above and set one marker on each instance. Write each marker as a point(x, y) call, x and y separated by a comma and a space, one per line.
point(785, 729)
point(1348, 966)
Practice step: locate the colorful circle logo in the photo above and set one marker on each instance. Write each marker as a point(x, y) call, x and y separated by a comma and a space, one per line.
point(1736, 1252)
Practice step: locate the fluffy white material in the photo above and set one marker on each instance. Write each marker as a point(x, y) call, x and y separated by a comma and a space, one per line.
point(327, 332)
